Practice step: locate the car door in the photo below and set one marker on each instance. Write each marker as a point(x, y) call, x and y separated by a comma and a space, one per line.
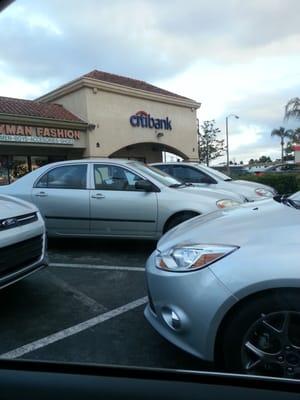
point(62, 196)
point(117, 207)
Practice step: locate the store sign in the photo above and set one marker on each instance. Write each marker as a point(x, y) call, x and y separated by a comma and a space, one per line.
point(32, 134)
point(143, 120)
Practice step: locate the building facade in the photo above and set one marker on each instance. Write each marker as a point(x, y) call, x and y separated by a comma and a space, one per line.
point(296, 149)
point(96, 115)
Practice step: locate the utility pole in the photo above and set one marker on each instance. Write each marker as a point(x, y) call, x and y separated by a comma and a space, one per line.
point(227, 142)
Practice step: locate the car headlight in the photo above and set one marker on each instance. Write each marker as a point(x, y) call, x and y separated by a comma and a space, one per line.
point(192, 257)
point(264, 192)
point(225, 203)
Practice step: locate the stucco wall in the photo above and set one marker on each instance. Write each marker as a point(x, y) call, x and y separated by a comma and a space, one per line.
point(76, 102)
point(110, 113)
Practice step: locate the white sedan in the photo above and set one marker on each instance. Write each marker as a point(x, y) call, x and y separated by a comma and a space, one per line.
point(114, 198)
point(22, 240)
point(207, 177)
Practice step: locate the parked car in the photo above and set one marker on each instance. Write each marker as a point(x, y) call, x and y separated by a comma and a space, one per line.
point(235, 170)
point(210, 178)
point(225, 287)
point(280, 168)
point(112, 197)
point(22, 240)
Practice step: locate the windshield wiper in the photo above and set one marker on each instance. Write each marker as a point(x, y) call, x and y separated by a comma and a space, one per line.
point(287, 201)
point(227, 180)
point(182, 184)
point(290, 203)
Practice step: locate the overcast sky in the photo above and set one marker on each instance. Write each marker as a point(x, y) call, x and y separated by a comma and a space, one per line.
point(233, 56)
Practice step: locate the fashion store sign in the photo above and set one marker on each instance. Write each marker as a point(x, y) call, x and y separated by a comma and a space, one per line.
point(32, 134)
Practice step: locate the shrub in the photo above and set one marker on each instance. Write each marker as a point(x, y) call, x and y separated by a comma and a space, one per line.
point(283, 183)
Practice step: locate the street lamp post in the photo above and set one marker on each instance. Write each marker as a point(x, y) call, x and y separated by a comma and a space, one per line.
point(227, 144)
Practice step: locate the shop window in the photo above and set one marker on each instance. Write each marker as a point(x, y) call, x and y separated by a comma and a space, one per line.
point(66, 177)
point(38, 161)
point(19, 167)
point(4, 171)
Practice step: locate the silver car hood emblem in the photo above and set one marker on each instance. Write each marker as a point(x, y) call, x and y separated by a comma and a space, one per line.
point(8, 222)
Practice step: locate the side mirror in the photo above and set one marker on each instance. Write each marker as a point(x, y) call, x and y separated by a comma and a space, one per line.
point(146, 186)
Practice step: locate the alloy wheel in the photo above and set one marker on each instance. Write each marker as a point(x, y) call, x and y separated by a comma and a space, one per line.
point(271, 346)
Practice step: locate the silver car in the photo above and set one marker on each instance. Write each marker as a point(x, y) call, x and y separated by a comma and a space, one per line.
point(225, 287)
point(22, 240)
point(207, 177)
point(114, 198)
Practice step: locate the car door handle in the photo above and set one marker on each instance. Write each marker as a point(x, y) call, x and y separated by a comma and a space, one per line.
point(41, 194)
point(98, 196)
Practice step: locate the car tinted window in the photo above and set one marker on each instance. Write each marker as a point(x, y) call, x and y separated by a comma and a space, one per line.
point(112, 177)
point(156, 173)
point(66, 177)
point(214, 173)
point(165, 168)
point(188, 174)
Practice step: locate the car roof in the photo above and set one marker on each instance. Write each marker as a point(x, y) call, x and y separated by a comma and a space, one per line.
point(94, 160)
point(176, 163)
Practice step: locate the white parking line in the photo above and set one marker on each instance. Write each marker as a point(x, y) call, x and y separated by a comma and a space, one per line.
point(100, 267)
point(82, 297)
point(73, 330)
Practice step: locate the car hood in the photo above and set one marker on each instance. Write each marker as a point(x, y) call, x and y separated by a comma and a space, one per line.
point(12, 207)
point(251, 222)
point(217, 194)
point(251, 185)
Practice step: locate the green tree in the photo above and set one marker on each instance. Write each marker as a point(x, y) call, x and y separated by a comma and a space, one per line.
point(283, 134)
point(292, 108)
point(209, 146)
point(264, 159)
point(288, 150)
point(295, 137)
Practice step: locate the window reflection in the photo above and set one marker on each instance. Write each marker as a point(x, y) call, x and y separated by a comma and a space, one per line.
point(14, 167)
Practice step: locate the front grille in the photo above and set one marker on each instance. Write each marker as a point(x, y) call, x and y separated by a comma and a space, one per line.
point(9, 223)
point(20, 255)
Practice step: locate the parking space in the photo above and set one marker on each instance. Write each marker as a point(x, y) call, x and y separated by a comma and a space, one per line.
point(87, 307)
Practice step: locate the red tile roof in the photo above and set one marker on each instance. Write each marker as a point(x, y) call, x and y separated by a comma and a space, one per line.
point(129, 82)
point(31, 108)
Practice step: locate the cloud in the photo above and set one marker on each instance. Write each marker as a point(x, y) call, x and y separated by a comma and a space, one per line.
point(233, 57)
point(146, 39)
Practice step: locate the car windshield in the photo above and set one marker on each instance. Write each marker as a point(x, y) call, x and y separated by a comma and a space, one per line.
point(216, 173)
point(157, 174)
point(106, 259)
point(295, 199)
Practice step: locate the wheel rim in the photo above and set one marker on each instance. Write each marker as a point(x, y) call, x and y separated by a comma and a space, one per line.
point(272, 345)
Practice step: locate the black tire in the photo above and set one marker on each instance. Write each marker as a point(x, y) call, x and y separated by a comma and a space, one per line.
point(251, 325)
point(178, 219)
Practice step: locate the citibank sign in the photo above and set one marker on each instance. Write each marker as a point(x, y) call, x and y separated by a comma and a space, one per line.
point(143, 120)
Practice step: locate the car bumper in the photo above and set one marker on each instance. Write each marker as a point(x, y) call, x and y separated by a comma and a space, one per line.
point(14, 244)
point(187, 308)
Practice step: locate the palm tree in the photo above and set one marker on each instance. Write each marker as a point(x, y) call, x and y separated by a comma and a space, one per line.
point(296, 136)
point(283, 134)
point(292, 109)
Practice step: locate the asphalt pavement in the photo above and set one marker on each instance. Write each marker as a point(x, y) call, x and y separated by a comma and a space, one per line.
point(87, 306)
